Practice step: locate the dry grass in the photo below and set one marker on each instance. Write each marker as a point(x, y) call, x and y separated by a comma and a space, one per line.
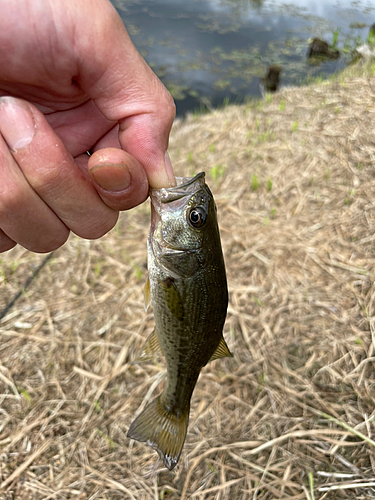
point(291, 416)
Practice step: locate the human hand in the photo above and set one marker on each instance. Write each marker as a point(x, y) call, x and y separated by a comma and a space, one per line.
point(77, 84)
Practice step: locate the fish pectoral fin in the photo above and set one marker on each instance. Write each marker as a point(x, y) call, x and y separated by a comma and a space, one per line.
point(164, 431)
point(150, 349)
point(172, 298)
point(222, 351)
point(147, 294)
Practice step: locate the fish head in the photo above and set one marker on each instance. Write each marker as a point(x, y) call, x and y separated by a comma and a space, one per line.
point(183, 225)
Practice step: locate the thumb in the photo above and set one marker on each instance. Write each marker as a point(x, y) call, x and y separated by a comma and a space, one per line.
point(125, 89)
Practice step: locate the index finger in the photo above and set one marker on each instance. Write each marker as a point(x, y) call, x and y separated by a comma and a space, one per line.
point(52, 174)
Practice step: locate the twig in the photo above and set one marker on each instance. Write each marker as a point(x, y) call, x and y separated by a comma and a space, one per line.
point(26, 463)
point(109, 481)
point(346, 486)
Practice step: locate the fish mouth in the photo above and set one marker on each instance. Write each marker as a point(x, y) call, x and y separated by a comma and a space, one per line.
point(155, 218)
point(186, 186)
point(161, 251)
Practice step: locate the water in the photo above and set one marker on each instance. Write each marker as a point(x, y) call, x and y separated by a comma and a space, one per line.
point(212, 51)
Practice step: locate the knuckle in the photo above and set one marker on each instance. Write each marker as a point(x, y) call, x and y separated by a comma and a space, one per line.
point(34, 234)
point(167, 107)
point(170, 106)
point(51, 179)
point(10, 201)
point(96, 228)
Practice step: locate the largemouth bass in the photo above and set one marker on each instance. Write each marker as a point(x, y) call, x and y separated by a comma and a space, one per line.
point(188, 290)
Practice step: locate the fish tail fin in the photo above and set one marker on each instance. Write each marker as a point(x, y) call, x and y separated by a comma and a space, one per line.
point(164, 431)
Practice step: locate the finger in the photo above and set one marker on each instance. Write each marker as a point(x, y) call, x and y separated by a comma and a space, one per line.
point(51, 171)
point(119, 178)
point(139, 102)
point(80, 128)
point(109, 140)
point(24, 217)
point(112, 167)
point(5, 242)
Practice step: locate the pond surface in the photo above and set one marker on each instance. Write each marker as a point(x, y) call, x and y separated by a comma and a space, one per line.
point(208, 52)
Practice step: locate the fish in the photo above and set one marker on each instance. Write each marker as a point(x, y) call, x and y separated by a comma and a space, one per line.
point(188, 289)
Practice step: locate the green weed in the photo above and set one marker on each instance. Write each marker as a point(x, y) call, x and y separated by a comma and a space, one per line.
point(258, 301)
point(269, 97)
point(226, 102)
point(311, 484)
point(335, 37)
point(97, 269)
point(217, 171)
point(371, 38)
point(25, 394)
point(254, 182)
point(262, 380)
point(97, 407)
point(112, 444)
point(137, 271)
point(210, 466)
point(267, 136)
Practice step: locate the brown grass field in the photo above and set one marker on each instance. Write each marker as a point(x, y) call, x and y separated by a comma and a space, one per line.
point(291, 416)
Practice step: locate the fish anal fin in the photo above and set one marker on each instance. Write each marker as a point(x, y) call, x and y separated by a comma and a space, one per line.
point(163, 431)
point(150, 349)
point(147, 294)
point(222, 351)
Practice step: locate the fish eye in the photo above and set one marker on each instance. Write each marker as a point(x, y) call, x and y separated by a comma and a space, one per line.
point(197, 217)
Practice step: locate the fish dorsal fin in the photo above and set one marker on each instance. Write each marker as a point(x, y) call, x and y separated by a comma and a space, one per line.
point(172, 298)
point(150, 349)
point(147, 293)
point(222, 351)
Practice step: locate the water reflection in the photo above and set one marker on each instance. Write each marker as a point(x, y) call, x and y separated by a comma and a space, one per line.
point(207, 51)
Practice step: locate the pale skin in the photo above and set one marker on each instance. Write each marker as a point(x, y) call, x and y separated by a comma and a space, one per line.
point(71, 81)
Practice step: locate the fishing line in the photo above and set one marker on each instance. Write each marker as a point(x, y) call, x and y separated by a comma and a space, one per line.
point(29, 280)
